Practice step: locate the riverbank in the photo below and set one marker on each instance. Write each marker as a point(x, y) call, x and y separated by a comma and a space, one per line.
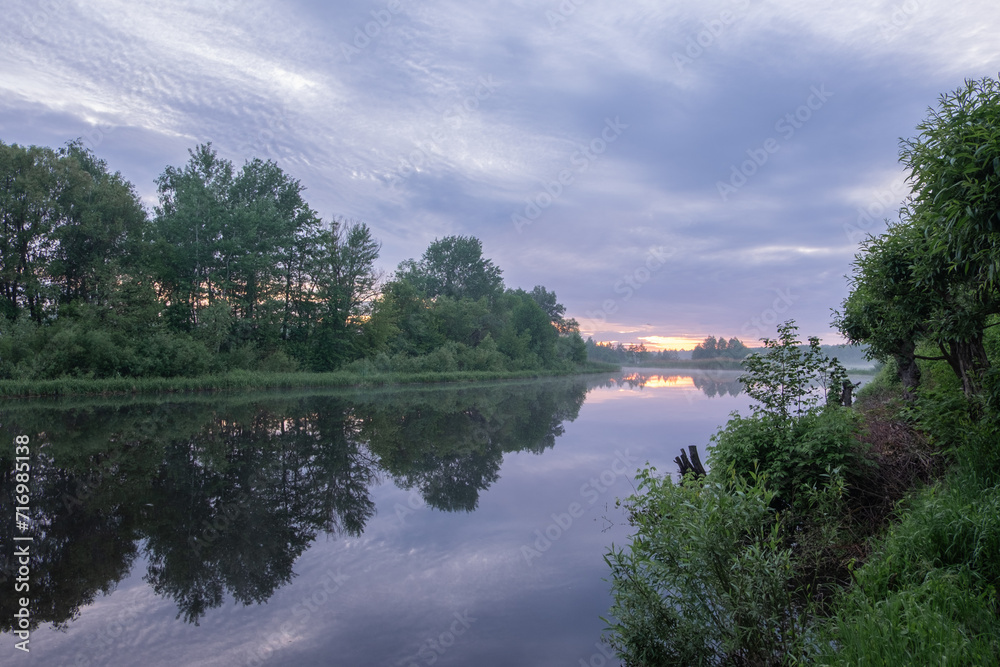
point(833, 535)
point(250, 380)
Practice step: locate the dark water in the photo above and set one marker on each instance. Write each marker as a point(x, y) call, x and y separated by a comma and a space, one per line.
point(446, 525)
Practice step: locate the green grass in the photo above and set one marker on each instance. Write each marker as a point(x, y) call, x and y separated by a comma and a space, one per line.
point(248, 380)
point(929, 593)
point(934, 622)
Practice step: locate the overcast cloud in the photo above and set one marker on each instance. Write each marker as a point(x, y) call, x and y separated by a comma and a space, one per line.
point(671, 169)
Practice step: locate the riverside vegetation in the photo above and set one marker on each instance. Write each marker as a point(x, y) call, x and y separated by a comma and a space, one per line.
point(233, 281)
point(865, 535)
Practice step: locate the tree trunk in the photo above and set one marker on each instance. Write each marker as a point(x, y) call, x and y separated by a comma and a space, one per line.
point(693, 464)
point(969, 361)
point(908, 370)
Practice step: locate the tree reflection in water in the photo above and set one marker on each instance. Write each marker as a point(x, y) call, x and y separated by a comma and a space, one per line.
point(222, 493)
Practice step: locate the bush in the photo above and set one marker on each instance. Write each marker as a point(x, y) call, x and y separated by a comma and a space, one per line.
point(785, 379)
point(174, 355)
point(75, 349)
point(278, 362)
point(708, 577)
point(796, 443)
point(952, 526)
point(792, 456)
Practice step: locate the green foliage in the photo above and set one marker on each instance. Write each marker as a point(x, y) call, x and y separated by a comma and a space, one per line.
point(793, 455)
point(235, 271)
point(572, 347)
point(933, 276)
point(731, 568)
point(783, 379)
point(711, 348)
point(454, 267)
point(954, 164)
point(68, 229)
point(708, 577)
point(928, 596)
point(933, 622)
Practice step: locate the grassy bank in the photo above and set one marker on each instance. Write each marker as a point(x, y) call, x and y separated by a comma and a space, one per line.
point(830, 535)
point(250, 380)
point(926, 591)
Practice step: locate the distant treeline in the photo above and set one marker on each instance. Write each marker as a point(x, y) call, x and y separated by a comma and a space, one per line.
point(631, 354)
point(233, 270)
point(712, 348)
point(637, 353)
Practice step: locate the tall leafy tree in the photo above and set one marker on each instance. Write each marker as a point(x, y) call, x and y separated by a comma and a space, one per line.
point(189, 251)
point(347, 286)
point(954, 165)
point(99, 231)
point(27, 201)
point(70, 229)
point(555, 310)
point(454, 266)
point(245, 239)
point(886, 310)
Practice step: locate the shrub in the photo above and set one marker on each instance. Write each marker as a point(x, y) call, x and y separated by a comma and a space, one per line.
point(792, 440)
point(785, 379)
point(278, 362)
point(707, 579)
point(174, 355)
point(76, 349)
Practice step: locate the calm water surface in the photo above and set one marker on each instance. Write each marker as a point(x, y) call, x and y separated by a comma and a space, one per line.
point(446, 525)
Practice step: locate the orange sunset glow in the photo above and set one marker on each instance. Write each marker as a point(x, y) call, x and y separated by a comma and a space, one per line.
point(671, 342)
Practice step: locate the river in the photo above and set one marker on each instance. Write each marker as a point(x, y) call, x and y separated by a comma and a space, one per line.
point(435, 525)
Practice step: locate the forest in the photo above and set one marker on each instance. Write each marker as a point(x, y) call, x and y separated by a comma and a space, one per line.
point(232, 270)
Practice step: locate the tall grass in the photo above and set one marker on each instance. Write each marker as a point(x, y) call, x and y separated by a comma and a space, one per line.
point(248, 380)
point(929, 594)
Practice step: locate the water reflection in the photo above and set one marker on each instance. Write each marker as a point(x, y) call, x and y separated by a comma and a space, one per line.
point(222, 494)
point(711, 383)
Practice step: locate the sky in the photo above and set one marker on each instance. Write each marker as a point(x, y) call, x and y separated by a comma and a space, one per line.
point(671, 170)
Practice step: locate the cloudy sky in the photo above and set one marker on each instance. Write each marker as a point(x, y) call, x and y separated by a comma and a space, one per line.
point(669, 169)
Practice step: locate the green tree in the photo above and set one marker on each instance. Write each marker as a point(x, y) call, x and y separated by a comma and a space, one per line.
point(705, 349)
point(68, 229)
point(99, 229)
point(903, 295)
point(885, 309)
point(27, 200)
point(455, 267)
point(346, 289)
point(954, 165)
point(246, 238)
point(188, 231)
point(735, 349)
point(785, 380)
point(719, 348)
